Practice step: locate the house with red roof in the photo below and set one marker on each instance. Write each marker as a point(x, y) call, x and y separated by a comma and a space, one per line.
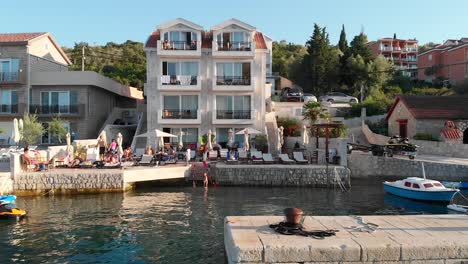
point(200, 80)
point(443, 117)
point(34, 78)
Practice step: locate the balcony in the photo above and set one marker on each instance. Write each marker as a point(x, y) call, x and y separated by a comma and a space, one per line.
point(396, 49)
point(383, 48)
point(234, 49)
point(9, 110)
point(179, 48)
point(175, 117)
point(231, 117)
point(179, 83)
point(410, 49)
point(233, 83)
point(58, 110)
point(9, 77)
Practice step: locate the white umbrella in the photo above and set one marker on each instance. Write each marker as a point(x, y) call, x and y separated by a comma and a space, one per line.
point(209, 144)
point(20, 127)
point(119, 143)
point(68, 137)
point(279, 140)
point(250, 131)
point(230, 138)
point(305, 136)
point(15, 137)
point(282, 135)
point(246, 140)
point(181, 142)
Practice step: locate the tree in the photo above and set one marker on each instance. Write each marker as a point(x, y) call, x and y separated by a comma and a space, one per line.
point(57, 128)
point(343, 43)
point(359, 47)
point(32, 129)
point(286, 58)
point(320, 63)
point(381, 71)
point(313, 111)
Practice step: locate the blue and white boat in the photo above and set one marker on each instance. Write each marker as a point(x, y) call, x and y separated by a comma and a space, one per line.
point(420, 189)
point(7, 199)
point(456, 185)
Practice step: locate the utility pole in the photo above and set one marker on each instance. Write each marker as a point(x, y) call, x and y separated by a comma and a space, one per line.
point(362, 93)
point(82, 58)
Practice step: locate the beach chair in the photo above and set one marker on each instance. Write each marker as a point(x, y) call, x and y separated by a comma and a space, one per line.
point(268, 158)
point(256, 157)
point(284, 158)
point(139, 152)
point(146, 160)
point(242, 155)
point(224, 153)
point(299, 158)
point(213, 154)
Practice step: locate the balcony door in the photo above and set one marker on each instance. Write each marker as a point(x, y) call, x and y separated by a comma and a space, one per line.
point(179, 73)
point(233, 107)
point(58, 102)
point(233, 73)
point(9, 101)
point(9, 69)
point(180, 106)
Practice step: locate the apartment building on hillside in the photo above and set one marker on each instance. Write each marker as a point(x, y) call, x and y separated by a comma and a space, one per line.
point(34, 78)
point(447, 62)
point(403, 53)
point(200, 80)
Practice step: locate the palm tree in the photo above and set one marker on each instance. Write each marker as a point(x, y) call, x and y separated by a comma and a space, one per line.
point(313, 111)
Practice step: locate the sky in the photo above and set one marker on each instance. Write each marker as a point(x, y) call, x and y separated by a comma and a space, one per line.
point(102, 21)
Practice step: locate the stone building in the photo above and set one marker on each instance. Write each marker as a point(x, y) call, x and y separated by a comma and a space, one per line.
point(200, 80)
point(411, 115)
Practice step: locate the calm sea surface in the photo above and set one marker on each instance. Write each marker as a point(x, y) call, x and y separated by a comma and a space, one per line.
point(169, 224)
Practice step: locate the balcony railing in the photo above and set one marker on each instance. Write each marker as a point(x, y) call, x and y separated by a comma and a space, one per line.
point(179, 45)
point(73, 110)
point(9, 76)
point(233, 114)
point(386, 48)
point(235, 46)
point(178, 80)
point(9, 109)
point(179, 114)
point(233, 80)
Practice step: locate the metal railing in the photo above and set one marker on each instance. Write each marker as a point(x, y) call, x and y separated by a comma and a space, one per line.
point(235, 46)
point(178, 80)
point(75, 109)
point(179, 114)
point(9, 76)
point(179, 45)
point(9, 109)
point(233, 114)
point(233, 80)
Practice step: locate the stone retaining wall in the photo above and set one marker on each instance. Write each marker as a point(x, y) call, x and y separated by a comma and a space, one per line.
point(279, 175)
point(69, 181)
point(366, 165)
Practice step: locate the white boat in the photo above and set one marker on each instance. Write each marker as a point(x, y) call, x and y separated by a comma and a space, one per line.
point(420, 189)
point(458, 208)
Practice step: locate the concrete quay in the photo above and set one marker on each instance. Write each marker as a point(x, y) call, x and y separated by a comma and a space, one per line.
point(398, 239)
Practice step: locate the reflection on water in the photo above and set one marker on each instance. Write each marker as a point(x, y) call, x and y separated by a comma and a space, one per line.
point(169, 224)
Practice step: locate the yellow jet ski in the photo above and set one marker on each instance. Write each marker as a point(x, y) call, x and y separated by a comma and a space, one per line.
point(7, 212)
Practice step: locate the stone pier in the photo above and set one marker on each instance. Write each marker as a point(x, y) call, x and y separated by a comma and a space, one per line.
point(398, 239)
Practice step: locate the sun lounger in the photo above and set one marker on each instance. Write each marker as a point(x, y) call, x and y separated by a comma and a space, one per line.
point(242, 155)
point(257, 157)
point(139, 152)
point(146, 160)
point(213, 155)
point(284, 158)
point(268, 158)
point(299, 158)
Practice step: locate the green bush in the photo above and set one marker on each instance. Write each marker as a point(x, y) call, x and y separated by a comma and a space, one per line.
point(431, 91)
point(341, 131)
point(424, 136)
point(261, 143)
point(379, 127)
point(290, 125)
point(461, 88)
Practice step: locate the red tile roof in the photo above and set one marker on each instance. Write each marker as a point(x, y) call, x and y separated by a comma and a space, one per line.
point(19, 37)
point(152, 40)
point(259, 41)
point(434, 107)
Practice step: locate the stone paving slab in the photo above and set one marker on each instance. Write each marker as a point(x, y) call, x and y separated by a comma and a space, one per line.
point(398, 239)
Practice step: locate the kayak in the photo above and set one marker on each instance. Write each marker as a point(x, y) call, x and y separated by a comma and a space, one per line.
point(7, 212)
point(458, 208)
point(7, 199)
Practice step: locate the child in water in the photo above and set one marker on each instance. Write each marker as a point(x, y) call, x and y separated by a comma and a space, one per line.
point(205, 180)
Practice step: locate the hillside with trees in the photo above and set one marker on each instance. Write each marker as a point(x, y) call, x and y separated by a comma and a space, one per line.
point(125, 63)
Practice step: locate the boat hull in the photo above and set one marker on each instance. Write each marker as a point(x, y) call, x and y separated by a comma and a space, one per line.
point(441, 196)
point(7, 199)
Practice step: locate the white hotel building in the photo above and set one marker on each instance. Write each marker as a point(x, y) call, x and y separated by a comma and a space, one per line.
point(199, 80)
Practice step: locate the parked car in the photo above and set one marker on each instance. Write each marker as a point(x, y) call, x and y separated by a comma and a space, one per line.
point(336, 97)
point(309, 98)
point(291, 94)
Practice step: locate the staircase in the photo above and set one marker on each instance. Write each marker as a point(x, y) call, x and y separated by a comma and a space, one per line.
point(272, 132)
point(140, 142)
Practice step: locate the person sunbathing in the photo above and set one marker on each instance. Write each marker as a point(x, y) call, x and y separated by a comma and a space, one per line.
point(127, 154)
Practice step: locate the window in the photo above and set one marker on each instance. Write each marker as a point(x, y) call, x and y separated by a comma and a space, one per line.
point(180, 73)
point(9, 101)
point(189, 135)
point(437, 184)
point(59, 102)
point(233, 73)
point(180, 106)
point(237, 41)
point(9, 70)
point(233, 107)
point(48, 138)
point(415, 185)
point(428, 185)
point(407, 184)
point(429, 57)
point(180, 40)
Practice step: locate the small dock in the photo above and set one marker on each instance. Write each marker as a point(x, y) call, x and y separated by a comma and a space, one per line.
point(398, 239)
